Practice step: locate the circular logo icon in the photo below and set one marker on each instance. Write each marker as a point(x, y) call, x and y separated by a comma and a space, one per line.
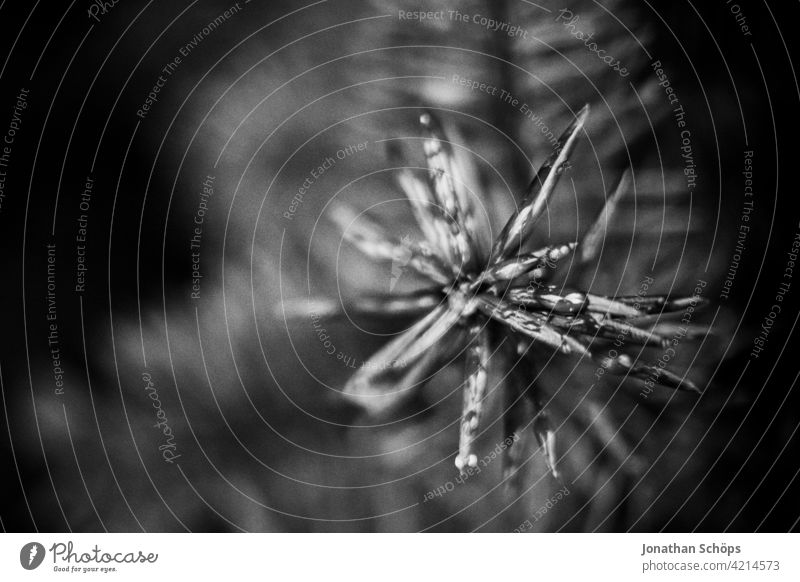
point(31, 555)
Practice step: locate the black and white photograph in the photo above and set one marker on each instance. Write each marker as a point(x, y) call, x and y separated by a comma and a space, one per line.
point(372, 266)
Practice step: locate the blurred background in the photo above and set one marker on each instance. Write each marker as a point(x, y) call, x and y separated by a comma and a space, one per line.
point(152, 224)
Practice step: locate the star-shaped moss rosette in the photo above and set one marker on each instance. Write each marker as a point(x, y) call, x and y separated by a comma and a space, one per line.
point(479, 300)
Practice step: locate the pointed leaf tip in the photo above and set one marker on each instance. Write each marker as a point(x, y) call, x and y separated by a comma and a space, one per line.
point(539, 192)
point(546, 438)
point(591, 243)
